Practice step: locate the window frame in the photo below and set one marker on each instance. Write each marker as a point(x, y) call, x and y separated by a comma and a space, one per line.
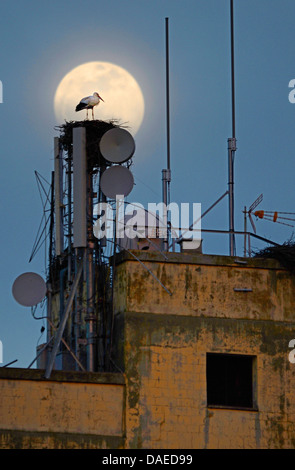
point(254, 406)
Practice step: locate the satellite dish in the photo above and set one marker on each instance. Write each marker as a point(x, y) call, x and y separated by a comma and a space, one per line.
point(29, 289)
point(117, 145)
point(116, 180)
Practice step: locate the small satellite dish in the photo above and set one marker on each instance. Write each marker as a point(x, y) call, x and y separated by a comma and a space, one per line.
point(29, 289)
point(116, 180)
point(117, 145)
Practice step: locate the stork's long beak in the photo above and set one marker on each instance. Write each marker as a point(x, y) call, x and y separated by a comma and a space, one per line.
point(100, 98)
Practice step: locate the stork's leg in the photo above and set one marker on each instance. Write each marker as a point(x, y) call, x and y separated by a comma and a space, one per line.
point(92, 114)
point(86, 113)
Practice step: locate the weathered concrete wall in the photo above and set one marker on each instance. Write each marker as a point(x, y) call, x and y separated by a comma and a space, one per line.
point(165, 340)
point(161, 342)
point(203, 285)
point(69, 410)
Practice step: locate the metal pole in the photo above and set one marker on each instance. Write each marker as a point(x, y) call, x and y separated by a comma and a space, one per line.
point(78, 306)
point(90, 318)
point(69, 349)
point(69, 219)
point(202, 215)
point(245, 231)
point(232, 68)
point(232, 142)
point(165, 220)
point(51, 222)
point(167, 93)
point(49, 306)
point(166, 174)
point(58, 200)
point(40, 352)
point(63, 322)
point(231, 150)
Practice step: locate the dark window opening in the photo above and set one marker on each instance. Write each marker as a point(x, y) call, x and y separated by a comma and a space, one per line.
point(230, 380)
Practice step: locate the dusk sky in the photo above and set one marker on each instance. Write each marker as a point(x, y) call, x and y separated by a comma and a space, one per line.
point(41, 41)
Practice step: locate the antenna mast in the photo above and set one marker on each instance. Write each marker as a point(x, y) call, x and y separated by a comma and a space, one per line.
point(232, 142)
point(166, 174)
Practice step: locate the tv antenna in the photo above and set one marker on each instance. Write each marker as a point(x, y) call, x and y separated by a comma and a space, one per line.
point(249, 213)
point(273, 216)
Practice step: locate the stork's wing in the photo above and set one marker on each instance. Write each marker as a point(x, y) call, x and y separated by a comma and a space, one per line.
point(86, 100)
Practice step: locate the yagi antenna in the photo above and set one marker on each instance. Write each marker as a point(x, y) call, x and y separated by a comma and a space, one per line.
point(249, 212)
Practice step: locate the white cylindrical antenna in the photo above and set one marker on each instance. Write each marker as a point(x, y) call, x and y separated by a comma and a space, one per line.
point(79, 188)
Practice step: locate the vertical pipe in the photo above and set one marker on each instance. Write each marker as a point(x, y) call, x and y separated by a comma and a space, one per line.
point(167, 93)
point(49, 286)
point(232, 142)
point(80, 202)
point(51, 223)
point(48, 313)
point(58, 193)
point(245, 232)
point(231, 196)
point(69, 219)
point(165, 221)
point(78, 299)
point(91, 333)
point(166, 174)
point(62, 324)
point(232, 68)
point(79, 188)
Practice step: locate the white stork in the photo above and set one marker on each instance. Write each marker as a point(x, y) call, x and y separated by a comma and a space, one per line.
point(89, 102)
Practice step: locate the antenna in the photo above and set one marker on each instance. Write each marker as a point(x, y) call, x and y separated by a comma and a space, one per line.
point(79, 188)
point(273, 216)
point(117, 145)
point(167, 96)
point(249, 213)
point(166, 174)
point(232, 142)
point(116, 180)
point(58, 185)
point(29, 289)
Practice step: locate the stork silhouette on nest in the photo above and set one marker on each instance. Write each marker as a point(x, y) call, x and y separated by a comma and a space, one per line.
point(89, 102)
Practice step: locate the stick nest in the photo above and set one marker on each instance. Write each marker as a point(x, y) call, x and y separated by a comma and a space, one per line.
point(95, 129)
point(285, 254)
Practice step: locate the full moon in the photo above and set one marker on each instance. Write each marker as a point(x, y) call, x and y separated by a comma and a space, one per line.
point(123, 98)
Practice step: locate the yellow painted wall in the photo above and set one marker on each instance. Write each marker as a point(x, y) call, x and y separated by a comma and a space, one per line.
point(166, 403)
point(31, 404)
point(161, 342)
point(203, 285)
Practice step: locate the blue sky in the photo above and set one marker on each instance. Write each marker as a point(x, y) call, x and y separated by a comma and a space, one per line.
point(42, 41)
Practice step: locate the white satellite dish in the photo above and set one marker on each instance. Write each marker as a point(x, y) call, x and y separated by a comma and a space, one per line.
point(117, 145)
point(29, 289)
point(116, 180)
